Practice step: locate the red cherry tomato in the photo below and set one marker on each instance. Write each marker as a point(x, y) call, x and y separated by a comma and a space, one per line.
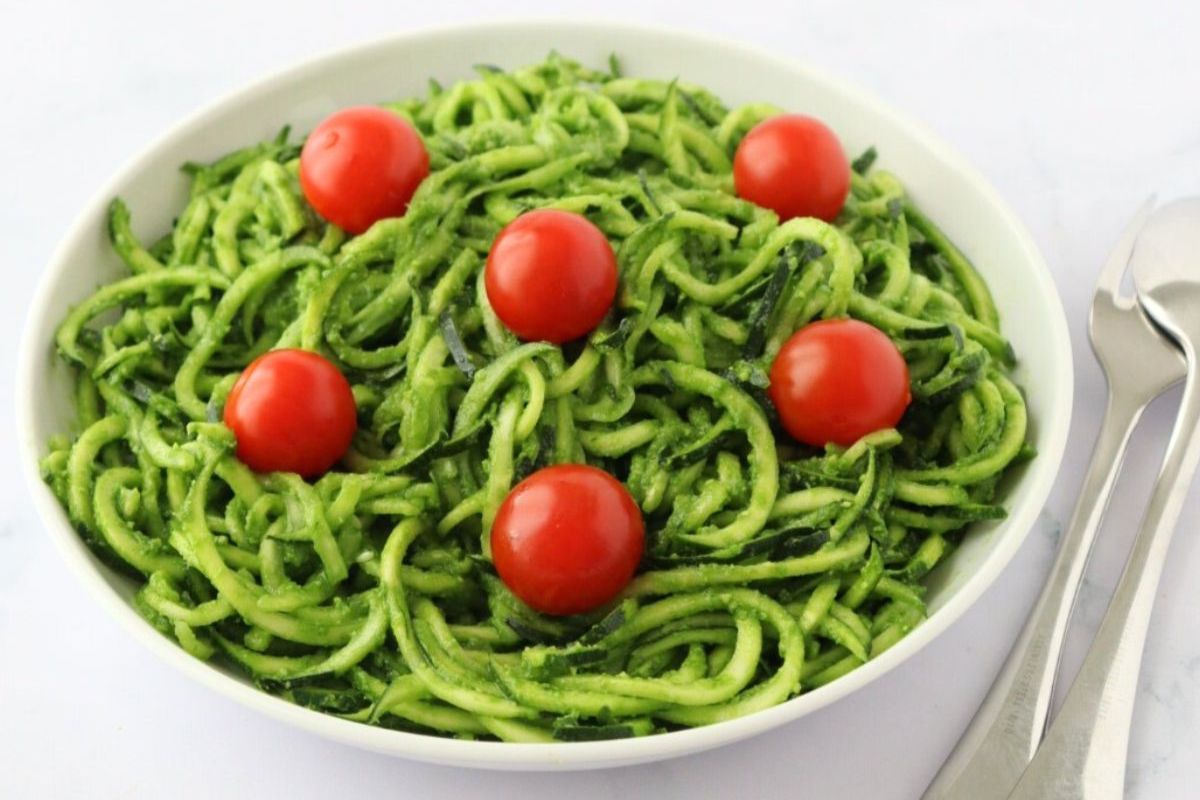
point(793, 165)
point(361, 165)
point(567, 539)
point(838, 380)
point(551, 276)
point(291, 411)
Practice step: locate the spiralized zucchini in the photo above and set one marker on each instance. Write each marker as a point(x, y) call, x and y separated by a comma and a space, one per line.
point(771, 568)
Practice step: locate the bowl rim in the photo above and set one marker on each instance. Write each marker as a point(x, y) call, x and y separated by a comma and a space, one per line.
point(559, 755)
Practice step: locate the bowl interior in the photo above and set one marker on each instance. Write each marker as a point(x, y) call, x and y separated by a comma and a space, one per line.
point(939, 181)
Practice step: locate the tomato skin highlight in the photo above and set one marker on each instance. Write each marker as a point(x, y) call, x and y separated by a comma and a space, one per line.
point(361, 165)
point(793, 165)
point(551, 276)
point(567, 539)
point(837, 380)
point(291, 411)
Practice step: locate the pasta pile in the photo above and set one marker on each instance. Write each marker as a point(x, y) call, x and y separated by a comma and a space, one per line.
point(771, 568)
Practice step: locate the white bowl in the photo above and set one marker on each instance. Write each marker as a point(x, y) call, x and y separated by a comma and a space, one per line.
point(942, 183)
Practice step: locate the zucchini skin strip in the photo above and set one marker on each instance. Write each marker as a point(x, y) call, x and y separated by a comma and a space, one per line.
point(770, 568)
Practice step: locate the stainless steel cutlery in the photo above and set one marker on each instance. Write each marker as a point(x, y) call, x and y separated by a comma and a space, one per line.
point(1145, 342)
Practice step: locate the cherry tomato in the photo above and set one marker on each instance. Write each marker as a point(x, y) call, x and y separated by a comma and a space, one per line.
point(567, 539)
point(793, 165)
point(361, 165)
point(291, 411)
point(838, 380)
point(551, 276)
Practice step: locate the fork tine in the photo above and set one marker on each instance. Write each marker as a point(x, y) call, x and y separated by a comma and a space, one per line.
point(1118, 260)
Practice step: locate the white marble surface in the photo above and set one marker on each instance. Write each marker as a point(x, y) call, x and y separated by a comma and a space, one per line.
point(1076, 112)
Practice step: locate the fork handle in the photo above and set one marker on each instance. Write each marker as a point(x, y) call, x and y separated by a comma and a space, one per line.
point(1001, 739)
point(1084, 754)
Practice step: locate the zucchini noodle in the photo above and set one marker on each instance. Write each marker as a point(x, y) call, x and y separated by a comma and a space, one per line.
point(771, 568)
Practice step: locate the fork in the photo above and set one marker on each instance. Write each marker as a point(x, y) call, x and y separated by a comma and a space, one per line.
point(1139, 364)
point(1084, 753)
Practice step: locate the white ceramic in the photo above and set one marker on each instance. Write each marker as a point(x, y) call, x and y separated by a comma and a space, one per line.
point(944, 185)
